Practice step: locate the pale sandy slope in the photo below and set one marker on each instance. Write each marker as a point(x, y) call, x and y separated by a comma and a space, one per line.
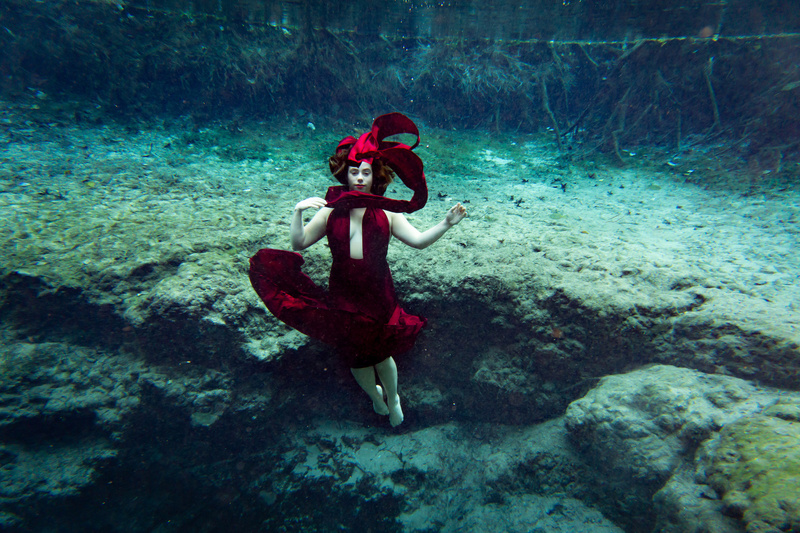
point(163, 220)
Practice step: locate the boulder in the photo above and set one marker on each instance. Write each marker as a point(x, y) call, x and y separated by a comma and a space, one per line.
point(704, 446)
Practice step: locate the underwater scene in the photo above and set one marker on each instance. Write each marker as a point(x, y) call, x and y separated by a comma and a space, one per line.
point(400, 266)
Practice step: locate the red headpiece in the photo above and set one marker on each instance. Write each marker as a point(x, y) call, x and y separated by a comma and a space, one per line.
point(398, 156)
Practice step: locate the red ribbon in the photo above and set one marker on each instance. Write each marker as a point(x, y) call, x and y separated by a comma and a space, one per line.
point(398, 156)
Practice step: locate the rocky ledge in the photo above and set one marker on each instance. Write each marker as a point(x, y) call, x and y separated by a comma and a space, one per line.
point(136, 357)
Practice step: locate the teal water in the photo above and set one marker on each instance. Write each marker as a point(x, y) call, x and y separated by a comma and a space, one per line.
point(613, 329)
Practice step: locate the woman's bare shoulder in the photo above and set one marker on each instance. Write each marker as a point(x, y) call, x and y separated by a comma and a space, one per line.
point(392, 216)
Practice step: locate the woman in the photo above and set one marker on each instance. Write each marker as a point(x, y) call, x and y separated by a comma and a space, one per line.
point(359, 314)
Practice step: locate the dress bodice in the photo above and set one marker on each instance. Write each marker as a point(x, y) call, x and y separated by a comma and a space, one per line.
point(375, 235)
point(359, 313)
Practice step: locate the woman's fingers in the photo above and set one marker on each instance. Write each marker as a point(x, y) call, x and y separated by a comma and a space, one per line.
point(312, 202)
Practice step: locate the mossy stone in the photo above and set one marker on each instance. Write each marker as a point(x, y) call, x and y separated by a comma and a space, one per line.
point(759, 457)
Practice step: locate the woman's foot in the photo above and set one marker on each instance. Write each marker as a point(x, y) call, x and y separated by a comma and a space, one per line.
point(395, 411)
point(378, 404)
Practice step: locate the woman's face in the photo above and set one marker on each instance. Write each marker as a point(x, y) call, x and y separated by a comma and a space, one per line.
point(360, 178)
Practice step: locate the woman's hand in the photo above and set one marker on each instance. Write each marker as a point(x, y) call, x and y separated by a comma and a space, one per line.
point(310, 203)
point(304, 236)
point(411, 236)
point(456, 214)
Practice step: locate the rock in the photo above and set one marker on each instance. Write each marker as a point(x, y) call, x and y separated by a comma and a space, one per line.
point(754, 464)
point(54, 380)
point(65, 411)
point(644, 430)
point(639, 425)
point(524, 512)
point(440, 477)
point(59, 416)
point(685, 504)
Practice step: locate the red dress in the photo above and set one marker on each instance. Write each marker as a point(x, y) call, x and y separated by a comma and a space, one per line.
point(359, 314)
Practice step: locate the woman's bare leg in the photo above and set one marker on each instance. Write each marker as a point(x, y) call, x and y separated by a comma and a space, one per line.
point(387, 371)
point(365, 377)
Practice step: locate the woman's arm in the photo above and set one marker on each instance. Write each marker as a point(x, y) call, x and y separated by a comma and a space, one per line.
point(304, 236)
point(408, 234)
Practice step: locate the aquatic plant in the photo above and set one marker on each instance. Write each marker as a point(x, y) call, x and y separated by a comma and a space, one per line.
point(237, 59)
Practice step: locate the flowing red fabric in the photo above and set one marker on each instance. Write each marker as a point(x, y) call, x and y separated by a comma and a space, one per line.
point(400, 158)
point(359, 314)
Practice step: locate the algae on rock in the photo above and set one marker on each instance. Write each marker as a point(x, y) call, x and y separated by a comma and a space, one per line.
point(754, 464)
